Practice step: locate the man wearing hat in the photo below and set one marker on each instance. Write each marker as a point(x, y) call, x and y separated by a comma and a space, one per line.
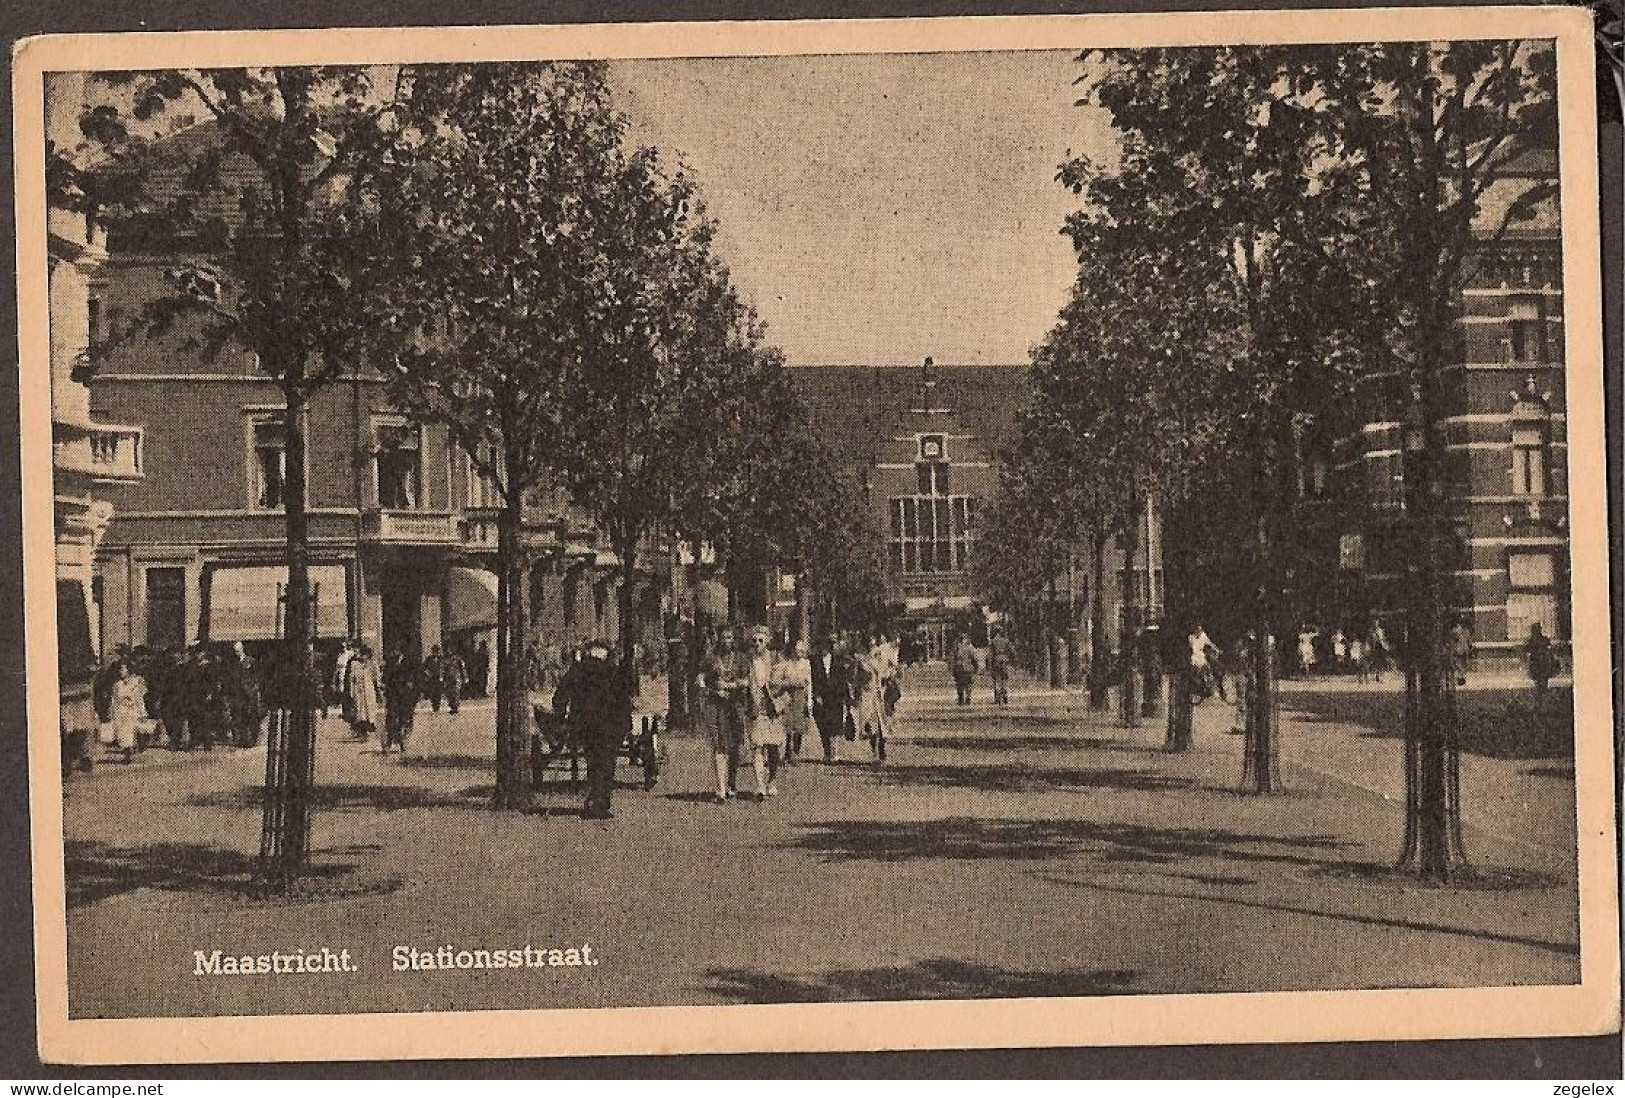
point(594, 705)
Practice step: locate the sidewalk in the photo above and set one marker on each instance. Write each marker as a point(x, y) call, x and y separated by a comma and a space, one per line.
point(1037, 849)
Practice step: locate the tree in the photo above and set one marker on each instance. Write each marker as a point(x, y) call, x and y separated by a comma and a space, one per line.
point(1125, 385)
point(275, 274)
point(494, 224)
point(1239, 181)
point(668, 359)
point(1432, 135)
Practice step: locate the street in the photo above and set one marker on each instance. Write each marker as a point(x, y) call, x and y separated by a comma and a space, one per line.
point(1035, 850)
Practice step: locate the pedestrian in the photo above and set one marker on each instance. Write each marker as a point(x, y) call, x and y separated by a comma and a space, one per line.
point(453, 679)
point(1357, 659)
point(432, 681)
point(1461, 650)
point(1340, 651)
point(827, 673)
point(365, 697)
point(244, 698)
point(403, 686)
point(167, 682)
point(339, 684)
point(1000, 655)
point(764, 730)
point(964, 668)
point(868, 706)
point(722, 681)
point(1306, 650)
point(1540, 659)
point(1377, 651)
point(793, 683)
point(1202, 654)
point(593, 702)
point(128, 709)
point(209, 713)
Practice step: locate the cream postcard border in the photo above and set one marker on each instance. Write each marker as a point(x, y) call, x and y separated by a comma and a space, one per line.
point(1589, 1007)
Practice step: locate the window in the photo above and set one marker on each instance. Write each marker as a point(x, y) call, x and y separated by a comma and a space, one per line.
point(398, 465)
point(270, 465)
point(1526, 329)
point(932, 534)
point(933, 448)
point(932, 478)
point(93, 317)
point(482, 490)
point(1528, 460)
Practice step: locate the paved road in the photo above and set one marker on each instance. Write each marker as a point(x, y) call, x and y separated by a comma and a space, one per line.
point(1028, 851)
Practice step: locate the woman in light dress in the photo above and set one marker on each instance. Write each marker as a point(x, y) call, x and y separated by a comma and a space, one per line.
point(793, 683)
point(366, 694)
point(764, 730)
point(869, 670)
point(128, 709)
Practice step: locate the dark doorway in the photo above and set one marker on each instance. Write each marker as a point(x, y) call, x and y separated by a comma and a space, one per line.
point(166, 608)
point(400, 599)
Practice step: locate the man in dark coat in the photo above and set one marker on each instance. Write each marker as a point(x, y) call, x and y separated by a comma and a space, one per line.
point(594, 703)
point(829, 690)
point(403, 685)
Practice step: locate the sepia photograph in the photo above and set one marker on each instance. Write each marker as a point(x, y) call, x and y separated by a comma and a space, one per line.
point(1034, 526)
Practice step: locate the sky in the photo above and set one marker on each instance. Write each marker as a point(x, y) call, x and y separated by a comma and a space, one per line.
point(879, 209)
point(874, 209)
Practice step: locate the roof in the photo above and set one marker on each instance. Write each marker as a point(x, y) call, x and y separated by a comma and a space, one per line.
point(855, 409)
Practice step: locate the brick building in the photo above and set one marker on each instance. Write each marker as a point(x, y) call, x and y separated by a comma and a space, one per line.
point(1507, 474)
point(402, 527)
point(926, 444)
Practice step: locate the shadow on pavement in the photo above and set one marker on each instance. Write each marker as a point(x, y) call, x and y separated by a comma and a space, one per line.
point(934, 979)
point(1498, 724)
point(342, 798)
point(1023, 779)
point(964, 838)
point(97, 871)
point(1567, 949)
point(447, 762)
point(1006, 744)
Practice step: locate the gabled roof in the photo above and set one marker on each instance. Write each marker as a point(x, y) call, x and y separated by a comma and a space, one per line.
point(857, 409)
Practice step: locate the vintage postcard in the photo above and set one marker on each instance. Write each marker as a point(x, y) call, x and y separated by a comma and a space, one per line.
point(924, 533)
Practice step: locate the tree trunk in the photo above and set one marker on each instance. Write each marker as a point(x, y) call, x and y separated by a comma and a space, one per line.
point(1432, 775)
point(1100, 679)
point(1433, 825)
point(626, 548)
point(1130, 639)
point(513, 778)
point(1261, 769)
point(285, 833)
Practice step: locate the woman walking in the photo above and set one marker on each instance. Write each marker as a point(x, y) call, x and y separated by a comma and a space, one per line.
point(722, 682)
point(793, 683)
point(763, 728)
point(868, 708)
point(128, 709)
point(366, 695)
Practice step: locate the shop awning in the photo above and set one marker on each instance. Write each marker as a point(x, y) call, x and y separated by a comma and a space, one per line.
point(471, 599)
point(243, 601)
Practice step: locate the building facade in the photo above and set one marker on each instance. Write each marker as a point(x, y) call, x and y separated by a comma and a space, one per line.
point(1507, 472)
point(91, 459)
point(926, 444)
point(402, 526)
